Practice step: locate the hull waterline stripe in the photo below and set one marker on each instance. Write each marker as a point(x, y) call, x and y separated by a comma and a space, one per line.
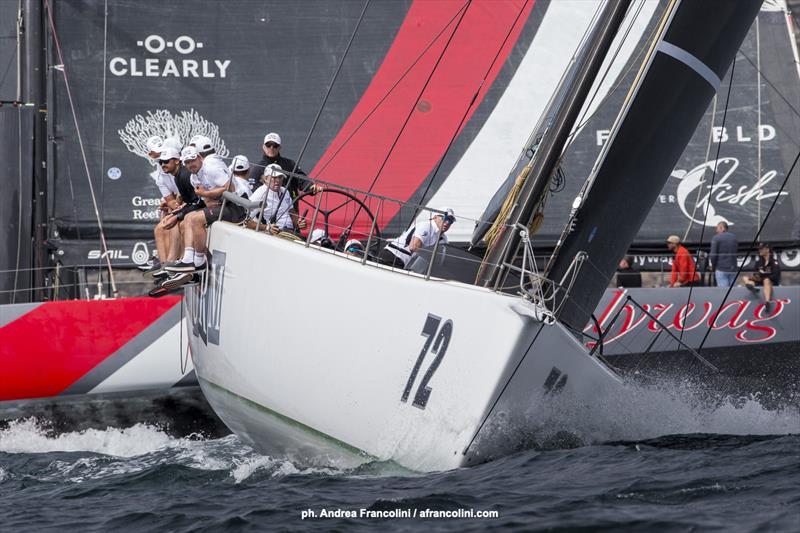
point(690, 61)
point(292, 422)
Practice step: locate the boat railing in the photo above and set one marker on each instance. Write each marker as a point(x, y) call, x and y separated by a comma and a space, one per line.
point(337, 215)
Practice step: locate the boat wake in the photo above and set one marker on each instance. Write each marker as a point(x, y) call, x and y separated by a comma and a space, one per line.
point(94, 454)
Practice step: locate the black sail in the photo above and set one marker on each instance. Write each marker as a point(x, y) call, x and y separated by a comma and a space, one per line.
point(692, 53)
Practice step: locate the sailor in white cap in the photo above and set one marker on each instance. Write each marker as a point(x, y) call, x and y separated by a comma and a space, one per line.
point(210, 181)
point(399, 251)
point(240, 167)
point(278, 204)
point(167, 235)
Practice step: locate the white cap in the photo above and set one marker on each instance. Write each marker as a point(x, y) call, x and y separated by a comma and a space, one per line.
point(447, 213)
point(168, 152)
point(272, 137)
point(188, 153)
point(274, 170)
point(202, 143)
point(154, 143)
point(240, 163)
point(174, 142)
point(317, 235)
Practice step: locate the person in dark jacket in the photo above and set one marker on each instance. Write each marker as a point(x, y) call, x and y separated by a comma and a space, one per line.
point(628, 275)
point(767, 274)
point(722, 258)
point(294, 185)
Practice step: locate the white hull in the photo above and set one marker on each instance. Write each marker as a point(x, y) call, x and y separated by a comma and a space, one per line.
point(306, 353)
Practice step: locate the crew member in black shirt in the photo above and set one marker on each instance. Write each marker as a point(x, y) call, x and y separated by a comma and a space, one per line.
point(628, 275)
point(767, 274)
point(294, 185)
point(167, 230)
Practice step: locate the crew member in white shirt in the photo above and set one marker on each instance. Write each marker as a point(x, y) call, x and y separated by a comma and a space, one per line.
point(277, 211)
point(210, 181)
point(399, 251)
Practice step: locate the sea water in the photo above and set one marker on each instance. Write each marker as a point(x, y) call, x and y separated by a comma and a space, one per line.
point(645, 461)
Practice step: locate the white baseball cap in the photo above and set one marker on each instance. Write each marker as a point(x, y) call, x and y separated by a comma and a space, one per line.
point(272, 137)
point(188, 153)
point(240, 163)
point(274, 170)
point(317, 235)
point(174, 142)
point(201, 142)
point(168, 152)
point(154, 143)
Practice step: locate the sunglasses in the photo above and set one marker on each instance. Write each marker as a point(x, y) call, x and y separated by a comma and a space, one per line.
point(271, 145)
point(164, 161)
point(449, 219)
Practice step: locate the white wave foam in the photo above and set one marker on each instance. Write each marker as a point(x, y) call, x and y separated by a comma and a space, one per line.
point(118, 452)
point(28, 436)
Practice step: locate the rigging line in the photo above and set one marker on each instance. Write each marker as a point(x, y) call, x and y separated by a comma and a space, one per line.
point(466, 111)
point(758, 104)
point(103, 115)
point(711, 188)
point(503, 390)
point(391, 89)
point(772, 85)
point(584, 119)
point(752, 244)
point(325, 99)
point(80, 144)
point(19, 153)
point(708, 152)
point(19, 202)
point(330, 85)
point(413, 107)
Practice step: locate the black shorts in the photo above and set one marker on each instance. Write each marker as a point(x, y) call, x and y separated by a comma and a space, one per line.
point(758, 279)
point(231, 213)
point(388, 258)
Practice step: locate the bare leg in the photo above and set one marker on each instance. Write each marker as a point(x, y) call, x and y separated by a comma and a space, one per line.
point(162, 243)
point(767, 289)
point(175, 243)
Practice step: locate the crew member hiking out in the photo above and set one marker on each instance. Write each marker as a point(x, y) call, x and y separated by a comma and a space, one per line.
point(399, 251)
point(210, 181)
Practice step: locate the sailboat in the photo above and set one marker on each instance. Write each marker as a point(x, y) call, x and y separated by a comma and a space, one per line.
point(441, 374)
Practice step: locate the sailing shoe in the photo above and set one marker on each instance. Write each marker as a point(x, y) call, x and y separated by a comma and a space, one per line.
point(173, 282)
point(180, 266)
point(149, 265)
point(768, 306)
point(751, 288)
point(154, 271)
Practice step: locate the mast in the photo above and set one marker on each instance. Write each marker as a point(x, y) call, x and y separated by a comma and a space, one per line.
point(36, 93)
point(544, 162)
point(693, 48)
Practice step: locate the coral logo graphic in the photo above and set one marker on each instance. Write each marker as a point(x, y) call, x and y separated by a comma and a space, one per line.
point(178, 128)
point(165, 67)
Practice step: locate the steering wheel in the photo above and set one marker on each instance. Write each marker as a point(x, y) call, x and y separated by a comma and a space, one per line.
point(343, 198)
